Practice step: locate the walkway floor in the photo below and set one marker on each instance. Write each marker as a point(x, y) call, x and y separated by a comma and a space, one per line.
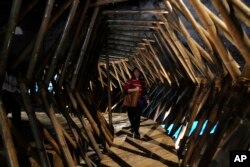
point(153, 148)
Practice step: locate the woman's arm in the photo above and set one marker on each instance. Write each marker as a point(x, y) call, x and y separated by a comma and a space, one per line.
point(129, 88)
point(133, 90)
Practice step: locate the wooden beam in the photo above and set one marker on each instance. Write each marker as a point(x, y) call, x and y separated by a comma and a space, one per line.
point(37, 134)
point(84, 48)
point(10, 150)
point(5, 48)
point(62, 41)
point(40, 36)
point(74, 42)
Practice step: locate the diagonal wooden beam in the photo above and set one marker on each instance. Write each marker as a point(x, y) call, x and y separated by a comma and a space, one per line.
point(14, 14)
point(39, 39)
point(84, 48)
point(62, 41)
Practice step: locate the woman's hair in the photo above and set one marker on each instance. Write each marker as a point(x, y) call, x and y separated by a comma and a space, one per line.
point(133, 71)
point(140, 76)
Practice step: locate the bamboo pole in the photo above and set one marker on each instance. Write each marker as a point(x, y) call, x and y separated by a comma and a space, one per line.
point(42, 65)
point(44, 160)
point(62, 41)
point(90, 59)
point(87, 113)
point(16, 5)
point(145, 62)
point(106, 130)
point(182, 7)
point(235, 31)
point(219, 46)
point(76, 144)
point(229, 107)
point(242, 11)
point(51, 141)
point(30, 46)
point(74, 42)
point(126, 69)
point(167, 55)
point(220, 96)
point(100, 76)
point(63, 145)
point(190, 42)
point(182, 51)
point(141, 69)
point(27, 8)
point(122, 71)
point(24, 143)
point(191, 105)
point(191, 143)
point(105, 75)
point(117, 76)
point(159, 62)
point(177, 53)
point(39, 39)
point(84, 48)
point(121, 43)
point(85, 125)
point(153, 63)
point(7, 138)
point(171, 59)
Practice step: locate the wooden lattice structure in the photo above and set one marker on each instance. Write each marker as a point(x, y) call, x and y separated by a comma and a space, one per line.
point(194, 55)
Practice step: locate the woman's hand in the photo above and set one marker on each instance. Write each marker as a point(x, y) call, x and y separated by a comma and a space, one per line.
point(136, 89)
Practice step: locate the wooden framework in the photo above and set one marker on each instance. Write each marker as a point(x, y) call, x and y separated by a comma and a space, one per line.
point(196, 64)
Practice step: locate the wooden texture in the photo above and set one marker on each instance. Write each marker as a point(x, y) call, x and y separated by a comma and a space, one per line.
point(154, 148)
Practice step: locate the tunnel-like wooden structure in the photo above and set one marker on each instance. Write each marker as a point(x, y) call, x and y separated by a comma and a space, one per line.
point(72, 58)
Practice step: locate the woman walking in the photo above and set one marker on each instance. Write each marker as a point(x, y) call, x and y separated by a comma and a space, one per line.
point(136, 84)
